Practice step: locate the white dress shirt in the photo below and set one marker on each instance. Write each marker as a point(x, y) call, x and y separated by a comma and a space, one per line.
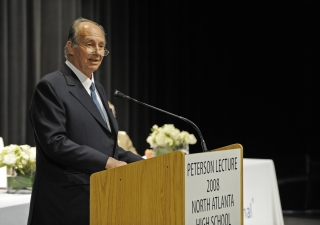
point(86, 82)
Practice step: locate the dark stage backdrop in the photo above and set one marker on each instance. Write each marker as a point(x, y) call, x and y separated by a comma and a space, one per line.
point(243, 71)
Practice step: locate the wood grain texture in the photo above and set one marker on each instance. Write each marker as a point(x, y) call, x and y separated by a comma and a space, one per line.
point(147, 192)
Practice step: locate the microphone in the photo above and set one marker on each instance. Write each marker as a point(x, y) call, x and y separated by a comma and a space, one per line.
point(203, 144)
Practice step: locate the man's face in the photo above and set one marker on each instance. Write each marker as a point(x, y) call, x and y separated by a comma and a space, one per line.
point(89, 35)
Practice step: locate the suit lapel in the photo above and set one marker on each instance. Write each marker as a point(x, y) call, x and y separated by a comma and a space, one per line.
point(80, 93)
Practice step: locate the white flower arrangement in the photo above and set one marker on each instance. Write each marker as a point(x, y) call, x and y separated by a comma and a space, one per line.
point(21, 158)
point(169, 137)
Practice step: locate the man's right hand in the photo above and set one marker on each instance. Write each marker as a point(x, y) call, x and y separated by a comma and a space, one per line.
point(113, 163)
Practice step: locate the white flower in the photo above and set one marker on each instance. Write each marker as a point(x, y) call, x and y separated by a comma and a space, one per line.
point(25, 147)
point(169, 136)
point(1, 155)
point(10, 159)
point(33, 155)
point(24, 162)
point(25, 156)
point(192, 139)
point(12, 148)
point(21, 158)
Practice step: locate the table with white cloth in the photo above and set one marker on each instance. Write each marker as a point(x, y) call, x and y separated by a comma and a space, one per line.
point(260, 197)
point(261, 200)
point(14, 208)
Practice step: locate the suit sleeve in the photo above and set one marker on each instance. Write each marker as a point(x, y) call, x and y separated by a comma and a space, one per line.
point(128, 156)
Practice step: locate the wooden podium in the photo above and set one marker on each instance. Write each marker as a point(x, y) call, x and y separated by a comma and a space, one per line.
point(154, 191)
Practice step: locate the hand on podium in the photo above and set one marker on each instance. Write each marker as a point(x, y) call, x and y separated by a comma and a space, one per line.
point(113, 163)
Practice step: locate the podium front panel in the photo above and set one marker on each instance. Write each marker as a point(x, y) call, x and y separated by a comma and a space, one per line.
point(213, 191)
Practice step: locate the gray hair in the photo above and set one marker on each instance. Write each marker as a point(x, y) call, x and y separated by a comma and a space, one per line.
point(73, 32)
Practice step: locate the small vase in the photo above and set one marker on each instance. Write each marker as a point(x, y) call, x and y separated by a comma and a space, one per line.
point(183, 148)
point(18, 183)
point(160, 150)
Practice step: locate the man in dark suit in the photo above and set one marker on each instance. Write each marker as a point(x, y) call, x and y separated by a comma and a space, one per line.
point(75, 131)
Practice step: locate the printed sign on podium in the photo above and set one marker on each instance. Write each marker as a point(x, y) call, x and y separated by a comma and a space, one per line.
point(213, 189)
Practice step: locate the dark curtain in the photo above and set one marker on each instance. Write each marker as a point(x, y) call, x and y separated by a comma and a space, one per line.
point(32, 39)
point(243, 71)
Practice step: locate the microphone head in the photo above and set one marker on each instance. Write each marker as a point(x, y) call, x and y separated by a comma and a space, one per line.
point(119, 94)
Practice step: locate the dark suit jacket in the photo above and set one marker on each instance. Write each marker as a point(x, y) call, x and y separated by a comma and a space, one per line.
point(72, 142)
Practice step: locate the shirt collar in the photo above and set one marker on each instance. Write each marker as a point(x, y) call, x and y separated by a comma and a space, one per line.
point(86, 81)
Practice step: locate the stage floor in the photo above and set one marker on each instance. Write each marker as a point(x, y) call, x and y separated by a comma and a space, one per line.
point(301, 218)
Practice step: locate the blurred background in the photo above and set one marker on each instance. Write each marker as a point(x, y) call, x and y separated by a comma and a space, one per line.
point(243, 71)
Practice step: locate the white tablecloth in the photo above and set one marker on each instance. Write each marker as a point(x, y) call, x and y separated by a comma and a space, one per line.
point(14, 208)
point(261, 198)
